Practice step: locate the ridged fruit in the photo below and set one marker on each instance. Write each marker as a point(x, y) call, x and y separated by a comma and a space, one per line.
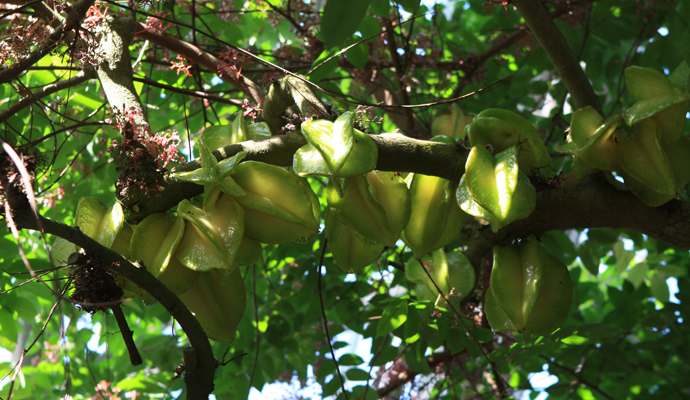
point(218, 301)
point(218, 136)
point(531, 290)
point(643, 158)
point(452, 124)
point(452, 273)
point(211, 239)
point(495, 189)
point(656, 98)
point(433, 223)
point(154, 242)
point(335, 149)
point(96, 221)
point(277, 205)
point(349, 252)
point(503, 129)
point(360, 212)
point(592, 140)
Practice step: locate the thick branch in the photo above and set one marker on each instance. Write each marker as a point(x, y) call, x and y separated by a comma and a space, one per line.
point(396, 153)
point(115, 68)
point(196, 55)
point(589, 203)
point(559, 52)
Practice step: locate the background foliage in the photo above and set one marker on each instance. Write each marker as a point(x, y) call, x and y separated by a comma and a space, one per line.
point(625, 337)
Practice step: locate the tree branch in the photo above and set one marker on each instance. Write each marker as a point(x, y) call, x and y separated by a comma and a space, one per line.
point(199, 380)
point(559, 52)
point(592, 202)
point(115, 69)
point(196, 55)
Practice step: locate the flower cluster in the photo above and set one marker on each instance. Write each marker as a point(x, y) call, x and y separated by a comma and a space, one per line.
point(180, 65)
point(230, 61)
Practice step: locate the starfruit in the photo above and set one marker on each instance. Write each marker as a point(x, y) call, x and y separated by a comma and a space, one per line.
point(452, 124)
point(435, 220)
point(211, 239)
point(495, 189)
point(531, 290)
point(503, 129)
point(677, 157)
point(218, 302)
point(452, 273)
point(218, 136)
point(103, 224)
point(642, 157)
point(349, 252)
point(360, 212)
point(278, 207)
point(154, 243)
point(591, 140)
point(657, 98)
point(335, 149)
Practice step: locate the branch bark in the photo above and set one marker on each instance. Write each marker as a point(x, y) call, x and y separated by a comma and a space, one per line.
point(551, 39)
point(196, 55)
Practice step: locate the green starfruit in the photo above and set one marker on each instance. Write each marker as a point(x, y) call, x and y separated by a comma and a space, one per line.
point(433, 221)
point(452, 273)
point(503, 129)
point(349, 252)
point(211, 239)
point(154, 243)
point(657, 98)
point(218, 301)
point(592, 141)
point(278, 207)
point(531, 290)
point(214, 175)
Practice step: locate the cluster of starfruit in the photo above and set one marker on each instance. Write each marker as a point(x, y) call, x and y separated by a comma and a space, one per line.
point(369, 210)
point(451, 273)
point(496, 187)
point(653, 159)
point(196, 251)
point(530, 290)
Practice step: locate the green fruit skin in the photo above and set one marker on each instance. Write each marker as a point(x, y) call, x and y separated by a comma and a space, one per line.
point(360, 212)
point(349, 252)
point(431, 201)
point(278, 207)
point(218, 302)
point(531, 290)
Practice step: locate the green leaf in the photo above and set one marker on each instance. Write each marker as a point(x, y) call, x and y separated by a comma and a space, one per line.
point(340, 19)
point(659, 287)
point(394, 316)
point(356, 374)
point(358, 55)
point(350, 359)
point(411, 6)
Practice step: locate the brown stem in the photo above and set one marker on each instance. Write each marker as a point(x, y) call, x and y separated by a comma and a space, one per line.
point(188, 92)
point(134, 356)
point(196, 55)
point(555, 46)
